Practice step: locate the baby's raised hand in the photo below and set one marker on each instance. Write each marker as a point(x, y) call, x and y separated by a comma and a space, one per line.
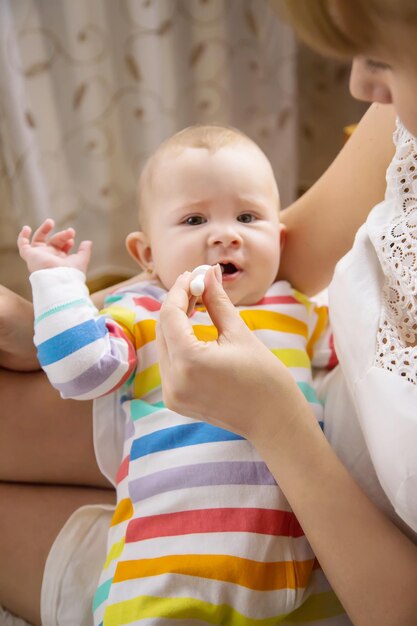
point(43, 250)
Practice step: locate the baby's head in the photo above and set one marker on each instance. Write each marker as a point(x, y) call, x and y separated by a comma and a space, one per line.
point(208, 195)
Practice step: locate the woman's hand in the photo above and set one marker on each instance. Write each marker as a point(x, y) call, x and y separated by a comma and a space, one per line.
point(234, 382)
point(17, 350)
point(43, 250)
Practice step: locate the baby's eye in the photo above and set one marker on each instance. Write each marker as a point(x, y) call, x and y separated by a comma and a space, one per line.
point(246, 218)
point(195, 220)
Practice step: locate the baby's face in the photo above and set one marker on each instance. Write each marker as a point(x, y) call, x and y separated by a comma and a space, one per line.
point(219, 207)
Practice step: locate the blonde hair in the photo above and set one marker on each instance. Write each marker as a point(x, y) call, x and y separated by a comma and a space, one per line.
point(209, 137)
point(346, 28)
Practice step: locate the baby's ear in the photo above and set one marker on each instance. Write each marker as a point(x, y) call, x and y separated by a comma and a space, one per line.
point(137, 245)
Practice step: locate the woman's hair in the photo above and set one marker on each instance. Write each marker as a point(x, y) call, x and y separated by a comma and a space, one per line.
point(346, 28)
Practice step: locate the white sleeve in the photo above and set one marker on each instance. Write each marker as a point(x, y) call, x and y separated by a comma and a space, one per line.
point(84, 354)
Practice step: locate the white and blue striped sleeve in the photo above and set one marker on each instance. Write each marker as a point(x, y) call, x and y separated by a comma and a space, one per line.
point(85, 355)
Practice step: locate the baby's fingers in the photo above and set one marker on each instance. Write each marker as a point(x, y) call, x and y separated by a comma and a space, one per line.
point(84, 254)
point(41, 233)
point(23, 239)
point(63, 240)
point(24, 234)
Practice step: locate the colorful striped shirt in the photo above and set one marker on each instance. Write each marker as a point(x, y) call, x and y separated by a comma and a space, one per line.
point(201, 533)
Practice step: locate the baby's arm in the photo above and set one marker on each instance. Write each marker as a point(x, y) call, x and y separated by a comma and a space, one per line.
point(84, 354)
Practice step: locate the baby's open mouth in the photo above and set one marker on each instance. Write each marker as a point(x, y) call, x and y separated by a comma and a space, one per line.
point(228, 268)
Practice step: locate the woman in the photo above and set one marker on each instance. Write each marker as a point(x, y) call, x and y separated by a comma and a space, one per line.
point(353, 540)
point(371, 564)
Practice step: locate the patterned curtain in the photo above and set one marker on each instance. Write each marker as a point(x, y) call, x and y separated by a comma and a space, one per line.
point(89, 88)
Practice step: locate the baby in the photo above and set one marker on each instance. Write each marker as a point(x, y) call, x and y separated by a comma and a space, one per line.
point(201, 532)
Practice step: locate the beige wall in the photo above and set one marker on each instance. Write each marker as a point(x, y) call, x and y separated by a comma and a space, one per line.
point(325, 108)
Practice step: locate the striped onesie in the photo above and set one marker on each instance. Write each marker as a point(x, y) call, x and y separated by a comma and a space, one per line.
point(201, 534)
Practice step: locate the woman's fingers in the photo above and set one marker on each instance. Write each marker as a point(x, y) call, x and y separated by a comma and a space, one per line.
point(163, 354)
point(175, 339)
point(222, 312)
point(191, 305)
point(174, 323)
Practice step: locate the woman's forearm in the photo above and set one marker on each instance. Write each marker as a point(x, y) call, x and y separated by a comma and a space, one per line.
point(370, 563)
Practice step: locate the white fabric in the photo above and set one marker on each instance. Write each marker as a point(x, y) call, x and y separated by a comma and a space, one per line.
point(73, 568)
point(384, 432)
point(396, 248)
point(109, 422)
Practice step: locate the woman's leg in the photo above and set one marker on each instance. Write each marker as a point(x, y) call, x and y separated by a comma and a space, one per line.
point(44, 439)
point(30, 520)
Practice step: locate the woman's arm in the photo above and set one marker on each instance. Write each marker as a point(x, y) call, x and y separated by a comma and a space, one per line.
point(323, 222)
point(371, 565)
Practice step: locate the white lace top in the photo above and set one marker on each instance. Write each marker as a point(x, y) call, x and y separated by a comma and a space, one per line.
point(371, 400)
point(397, 253)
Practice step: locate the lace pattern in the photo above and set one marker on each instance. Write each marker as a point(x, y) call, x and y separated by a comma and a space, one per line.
point(397, 252)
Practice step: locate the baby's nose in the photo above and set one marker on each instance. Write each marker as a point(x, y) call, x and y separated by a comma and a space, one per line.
point(226, 237)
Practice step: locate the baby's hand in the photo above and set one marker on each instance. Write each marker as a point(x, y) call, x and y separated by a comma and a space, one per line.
point(42, 251)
